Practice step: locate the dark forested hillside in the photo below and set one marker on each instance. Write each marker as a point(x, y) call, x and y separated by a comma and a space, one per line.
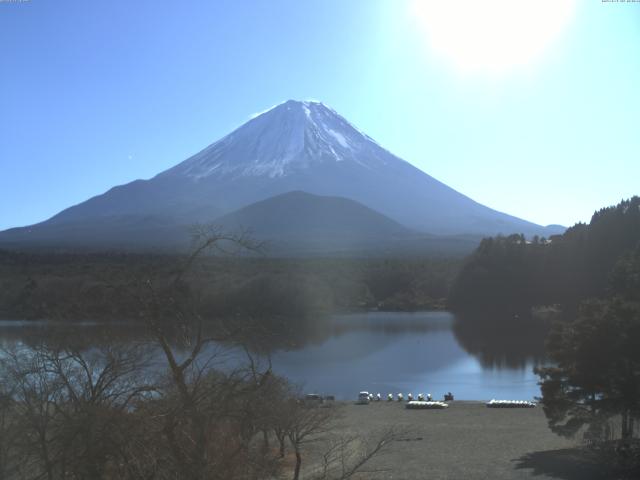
point(511, 274)
point(91, 286)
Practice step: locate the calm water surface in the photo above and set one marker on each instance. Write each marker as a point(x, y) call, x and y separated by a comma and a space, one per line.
point(395, 352)
point(404, 352)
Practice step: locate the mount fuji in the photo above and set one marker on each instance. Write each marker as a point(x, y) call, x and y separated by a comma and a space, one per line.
point(293, 147)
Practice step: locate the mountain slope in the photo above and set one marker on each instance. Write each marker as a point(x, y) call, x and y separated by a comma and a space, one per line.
point(107, 232)
point(291, 224)
point(300, 215)
point(297, 223)
point(295, 146)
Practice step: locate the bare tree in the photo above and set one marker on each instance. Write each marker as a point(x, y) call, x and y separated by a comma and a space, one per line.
point(174, 406)
point(347, 456)
point(343, 456)
point(71, 408)
point(5, 431)
point(305, 425)
point(33, 394)
point(208, 417)
point(98, 388)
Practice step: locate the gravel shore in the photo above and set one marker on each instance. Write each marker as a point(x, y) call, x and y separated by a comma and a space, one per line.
point(466, 441)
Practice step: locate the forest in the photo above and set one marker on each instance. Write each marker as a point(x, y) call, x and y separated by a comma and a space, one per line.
point(590, 278)
point(511, 274)
point(89, 287)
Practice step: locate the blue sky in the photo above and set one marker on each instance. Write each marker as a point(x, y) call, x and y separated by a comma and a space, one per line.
point(95, 94)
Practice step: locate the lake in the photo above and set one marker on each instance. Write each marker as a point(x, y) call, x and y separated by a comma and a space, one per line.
point(390, 352)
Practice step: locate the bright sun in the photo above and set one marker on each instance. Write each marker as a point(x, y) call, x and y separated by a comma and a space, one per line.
point(492, 36)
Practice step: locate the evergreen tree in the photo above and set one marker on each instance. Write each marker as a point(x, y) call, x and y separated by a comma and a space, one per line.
point(594, 385)
point(513, 275)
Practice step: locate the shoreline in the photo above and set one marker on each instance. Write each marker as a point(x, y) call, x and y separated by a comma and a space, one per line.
point(466, 440)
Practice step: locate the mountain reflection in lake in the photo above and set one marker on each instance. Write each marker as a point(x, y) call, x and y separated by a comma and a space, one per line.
point(406, 352)
point(379, 351)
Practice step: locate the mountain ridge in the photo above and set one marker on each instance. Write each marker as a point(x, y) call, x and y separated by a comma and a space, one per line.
point(295, 146)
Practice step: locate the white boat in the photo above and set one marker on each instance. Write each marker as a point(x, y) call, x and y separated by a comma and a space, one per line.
point(419, 405)
point(510, 404)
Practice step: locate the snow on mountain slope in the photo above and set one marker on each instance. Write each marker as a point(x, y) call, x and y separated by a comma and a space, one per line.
point(294, 146)
point(284, 140)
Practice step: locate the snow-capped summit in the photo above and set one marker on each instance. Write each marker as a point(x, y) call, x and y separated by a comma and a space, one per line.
point(295, 146)
point(287, 138)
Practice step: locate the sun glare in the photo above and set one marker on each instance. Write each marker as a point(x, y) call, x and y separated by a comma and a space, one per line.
point(492, 36)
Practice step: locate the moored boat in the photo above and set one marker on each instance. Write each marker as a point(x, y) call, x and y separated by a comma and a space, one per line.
point(421, 405)
point(510, 404)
